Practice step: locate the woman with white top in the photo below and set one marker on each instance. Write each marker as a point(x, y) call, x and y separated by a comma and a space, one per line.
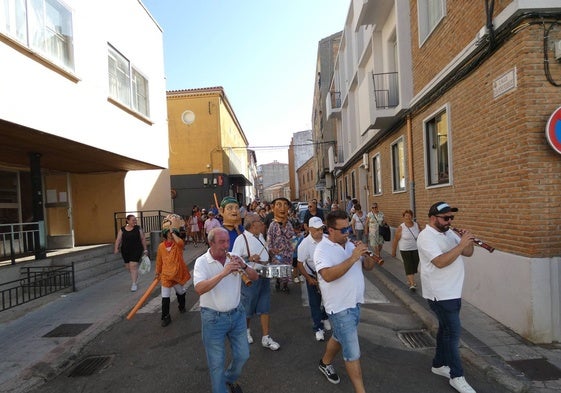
point(406, 237)
point(358, 222)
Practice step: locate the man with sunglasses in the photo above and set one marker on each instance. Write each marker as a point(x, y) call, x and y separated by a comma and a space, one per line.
point(441, 253)
point(339, 265)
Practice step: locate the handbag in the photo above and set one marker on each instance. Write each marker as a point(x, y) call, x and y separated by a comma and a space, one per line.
point(145, 265)
point(385, 232)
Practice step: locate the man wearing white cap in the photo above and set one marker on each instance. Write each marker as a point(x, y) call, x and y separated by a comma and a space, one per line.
point(306, 266)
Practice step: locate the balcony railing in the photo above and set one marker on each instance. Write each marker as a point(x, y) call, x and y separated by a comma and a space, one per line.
point(148, 220)
point(386, 90)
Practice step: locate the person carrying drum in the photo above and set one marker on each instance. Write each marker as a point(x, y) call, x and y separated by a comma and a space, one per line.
point(256, 299)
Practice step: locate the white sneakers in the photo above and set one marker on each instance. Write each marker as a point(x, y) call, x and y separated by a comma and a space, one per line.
point(268, 342)
point(443, 371)
point(461, 385)
point(249, 338)
point(134, 287)
point(326, 324)
point(320, 335)
point(458, 383)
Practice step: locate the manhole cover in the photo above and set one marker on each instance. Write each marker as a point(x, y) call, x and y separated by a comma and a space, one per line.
point(68, 330)
point(416, 339)
point(90, 366)
point(537, 369)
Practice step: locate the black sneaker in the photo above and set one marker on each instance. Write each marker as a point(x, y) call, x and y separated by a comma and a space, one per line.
point(329, 372)
point(234, 388)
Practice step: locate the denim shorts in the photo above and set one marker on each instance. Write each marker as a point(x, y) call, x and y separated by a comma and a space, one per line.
point(256, 299)
point(345, 331)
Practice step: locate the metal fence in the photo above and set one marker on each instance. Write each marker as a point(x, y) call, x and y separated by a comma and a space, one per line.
point(20, 239)
point(36, 282)
point(386, 90)
point(148, 220)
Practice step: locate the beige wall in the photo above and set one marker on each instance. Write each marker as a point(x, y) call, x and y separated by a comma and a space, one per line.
point(95, 198)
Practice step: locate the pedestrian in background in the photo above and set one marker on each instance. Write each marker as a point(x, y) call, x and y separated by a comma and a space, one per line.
point(217, 279)
point(374, 219)
point(358, 223)
point(171, 269)
point(339, 264)
point(442, 252)
point(406, 238)
point(132, 243)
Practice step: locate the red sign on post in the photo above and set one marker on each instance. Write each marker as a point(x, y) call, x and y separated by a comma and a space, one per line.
point(553, 130)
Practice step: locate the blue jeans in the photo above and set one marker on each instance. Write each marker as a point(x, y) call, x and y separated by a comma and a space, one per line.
point(216, 327)
point(448, 336)
point(345, 331)
point(316, 309)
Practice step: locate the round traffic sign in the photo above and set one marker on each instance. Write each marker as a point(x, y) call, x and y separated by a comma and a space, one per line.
point(553, 130)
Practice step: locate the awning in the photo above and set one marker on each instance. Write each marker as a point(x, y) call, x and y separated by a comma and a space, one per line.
point(239, 180)
point(58, 153)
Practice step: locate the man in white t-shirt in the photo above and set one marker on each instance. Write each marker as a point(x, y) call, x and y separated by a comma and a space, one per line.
point(339, 264)
point(217, 279)
point(441, 253)
point(256, 299)
point(307, 267)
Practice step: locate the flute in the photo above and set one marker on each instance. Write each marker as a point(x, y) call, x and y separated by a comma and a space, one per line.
point(479, 242)
point(369, 253)
point(245, 278)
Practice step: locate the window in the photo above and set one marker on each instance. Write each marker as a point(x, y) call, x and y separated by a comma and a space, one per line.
point(437, 148)
point(430, 13)
point(126, 85)
point(353, 185)
point(398, 165)
point(45, 26)
point(376, 175)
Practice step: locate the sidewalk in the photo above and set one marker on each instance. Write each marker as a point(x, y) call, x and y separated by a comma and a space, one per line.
point(28, 357)
point(485, 343)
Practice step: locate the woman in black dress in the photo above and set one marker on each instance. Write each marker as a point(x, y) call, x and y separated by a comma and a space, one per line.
point(132, 243)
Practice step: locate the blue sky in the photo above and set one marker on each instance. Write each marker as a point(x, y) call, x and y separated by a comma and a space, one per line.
point(263, 52)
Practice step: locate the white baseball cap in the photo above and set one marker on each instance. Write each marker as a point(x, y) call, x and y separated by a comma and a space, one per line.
point(315, 222)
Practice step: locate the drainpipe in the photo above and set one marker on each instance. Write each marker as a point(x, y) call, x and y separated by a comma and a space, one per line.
point(410, 169)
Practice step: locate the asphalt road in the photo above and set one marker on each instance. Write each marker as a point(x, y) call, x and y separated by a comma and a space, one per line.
point(141, 356)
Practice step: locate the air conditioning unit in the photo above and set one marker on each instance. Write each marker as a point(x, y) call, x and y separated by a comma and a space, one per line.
point(365, 161)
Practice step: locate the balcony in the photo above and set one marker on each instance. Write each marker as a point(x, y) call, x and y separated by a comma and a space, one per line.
point(333, 104)
point(386, 90)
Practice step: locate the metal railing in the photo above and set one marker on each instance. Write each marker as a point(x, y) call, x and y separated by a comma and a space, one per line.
point(36, 282)
point(335, 99)
point(20, 239)
point(148, 220)
point(386, 90)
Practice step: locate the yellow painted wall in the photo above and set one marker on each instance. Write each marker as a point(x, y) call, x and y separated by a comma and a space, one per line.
point(233, 143)
point(95, 197)
point(194, 146)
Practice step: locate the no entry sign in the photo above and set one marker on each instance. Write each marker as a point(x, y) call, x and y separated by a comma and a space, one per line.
point(553, 130)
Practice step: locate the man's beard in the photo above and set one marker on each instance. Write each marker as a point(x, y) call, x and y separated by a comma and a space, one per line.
point(441, 227)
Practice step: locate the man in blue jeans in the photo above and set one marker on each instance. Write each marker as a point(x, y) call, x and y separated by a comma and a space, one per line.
point(441, 253)
point(339, 264)
point(307, 267)
point(217, 279)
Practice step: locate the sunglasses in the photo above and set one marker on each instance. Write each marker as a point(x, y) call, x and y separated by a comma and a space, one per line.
point(344, 231)
point(446, 218)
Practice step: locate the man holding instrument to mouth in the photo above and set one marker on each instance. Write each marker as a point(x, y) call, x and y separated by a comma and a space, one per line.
point(441, 253)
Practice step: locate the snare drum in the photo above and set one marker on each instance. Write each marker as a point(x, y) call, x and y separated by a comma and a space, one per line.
point(276, 271)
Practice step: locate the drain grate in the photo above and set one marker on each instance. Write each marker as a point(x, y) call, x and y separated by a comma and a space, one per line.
point(416, 339)
point(537, 369)
point(90, 366)
point(68, 330)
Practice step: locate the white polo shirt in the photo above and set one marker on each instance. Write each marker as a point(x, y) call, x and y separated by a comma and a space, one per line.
point(225, 296)
point(257, 245)
point(346, 291)
point(444, 283)
point(306, 251)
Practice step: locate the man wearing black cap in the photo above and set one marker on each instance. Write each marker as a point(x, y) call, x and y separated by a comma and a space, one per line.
point(441, 253)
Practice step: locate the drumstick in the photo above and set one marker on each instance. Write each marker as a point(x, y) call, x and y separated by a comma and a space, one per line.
point(216, 201)
point(143, 298)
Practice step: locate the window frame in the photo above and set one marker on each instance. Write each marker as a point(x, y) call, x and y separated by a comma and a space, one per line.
point(56, 41)
point(430, 159)
point(398, 165)
point(123, 83)
point(425, 26)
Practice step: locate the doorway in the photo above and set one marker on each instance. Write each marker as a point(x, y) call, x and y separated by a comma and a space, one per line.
point(58, 212)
